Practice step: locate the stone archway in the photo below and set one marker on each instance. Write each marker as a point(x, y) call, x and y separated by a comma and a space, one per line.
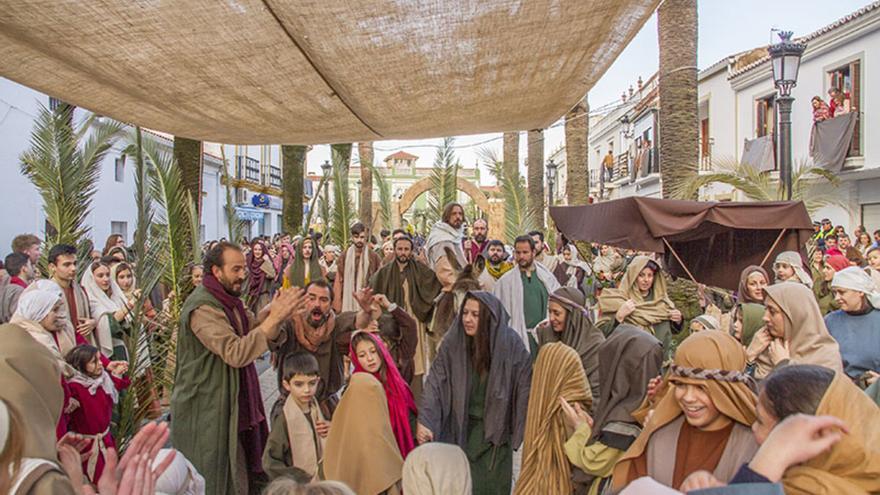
point(494, 209)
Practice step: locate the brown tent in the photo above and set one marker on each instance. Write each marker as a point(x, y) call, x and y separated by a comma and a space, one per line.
point(714, 241)
point(329, 71)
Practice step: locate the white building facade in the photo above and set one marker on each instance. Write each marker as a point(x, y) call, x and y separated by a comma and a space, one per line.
point(737, 103)
point(255, 171)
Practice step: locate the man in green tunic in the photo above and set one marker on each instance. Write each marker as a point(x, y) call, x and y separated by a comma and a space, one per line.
point(524, 292)
point(217, 414)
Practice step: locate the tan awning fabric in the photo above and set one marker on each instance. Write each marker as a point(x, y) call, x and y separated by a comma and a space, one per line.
point(318, 71)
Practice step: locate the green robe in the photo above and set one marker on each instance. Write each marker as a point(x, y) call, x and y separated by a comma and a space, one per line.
point(491, 467)
point(535, 298)
point(204, 405)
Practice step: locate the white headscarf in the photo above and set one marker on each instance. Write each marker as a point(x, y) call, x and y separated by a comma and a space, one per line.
point(853, 278)
point(100, 304)
point(793, 259)
point(436, 469)
point(36, 304)
point(181, 477)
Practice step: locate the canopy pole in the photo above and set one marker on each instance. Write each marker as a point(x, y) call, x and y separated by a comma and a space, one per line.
point(679, 261)
point(778, 238)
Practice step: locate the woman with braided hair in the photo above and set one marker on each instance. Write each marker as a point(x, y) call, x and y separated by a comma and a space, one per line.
point(704, 420)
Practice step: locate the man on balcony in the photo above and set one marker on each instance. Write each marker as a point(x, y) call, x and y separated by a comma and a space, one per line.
point(608, 165)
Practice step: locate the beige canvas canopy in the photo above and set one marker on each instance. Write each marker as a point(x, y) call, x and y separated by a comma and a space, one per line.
point(318, 71)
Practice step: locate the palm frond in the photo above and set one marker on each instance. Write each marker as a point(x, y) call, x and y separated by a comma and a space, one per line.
point(316, 197)
point(66, 171)
point(384, 189)
point(444, 180)
point(519, 217)
point(342, 214)
point(148, 253)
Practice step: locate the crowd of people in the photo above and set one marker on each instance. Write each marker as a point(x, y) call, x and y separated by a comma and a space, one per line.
point(446, 364)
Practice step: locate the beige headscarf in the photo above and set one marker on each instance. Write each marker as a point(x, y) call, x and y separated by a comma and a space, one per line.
point(852, 465)
point(647, 313)
point(437, 469)
point(558, 373)
point(805, 331)
point(704, 352)
point(793, 259)
point(361, 449)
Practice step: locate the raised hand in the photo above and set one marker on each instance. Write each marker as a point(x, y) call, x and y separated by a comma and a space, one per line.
point(364, 298)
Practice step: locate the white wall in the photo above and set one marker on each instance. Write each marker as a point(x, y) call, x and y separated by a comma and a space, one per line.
point(715, 90)
point(113, 201)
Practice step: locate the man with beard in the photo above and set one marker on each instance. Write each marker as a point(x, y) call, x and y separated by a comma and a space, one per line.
point(219, 421)
point(543, 254)
point(524, 293)
point(474, 247)
point(410, 284)
point(446, 234)
point(496, 264)
point(315, 330)
point(354, 269)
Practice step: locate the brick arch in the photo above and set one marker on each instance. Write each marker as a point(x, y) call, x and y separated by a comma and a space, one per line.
point(423, 185)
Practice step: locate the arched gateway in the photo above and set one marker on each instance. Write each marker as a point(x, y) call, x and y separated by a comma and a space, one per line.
point(493, 209)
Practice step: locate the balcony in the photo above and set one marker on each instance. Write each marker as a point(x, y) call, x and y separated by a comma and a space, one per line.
point(248, 169)
point(275, 176)
point(705, 162)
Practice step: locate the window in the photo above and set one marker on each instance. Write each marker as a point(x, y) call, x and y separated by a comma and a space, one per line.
point(847, 78)
point(120, 228)
point(265, 224)
point(119, 171)
point(871, 216)
point(241, 195)
point(765, 116)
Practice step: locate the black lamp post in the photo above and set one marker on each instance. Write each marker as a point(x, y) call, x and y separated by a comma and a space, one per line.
point(551, 181)
point(325, 168)
point(786, 60)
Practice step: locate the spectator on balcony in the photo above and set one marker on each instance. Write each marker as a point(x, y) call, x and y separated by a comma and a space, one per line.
point(821, 111)
point(608, 166)
point(840, 103)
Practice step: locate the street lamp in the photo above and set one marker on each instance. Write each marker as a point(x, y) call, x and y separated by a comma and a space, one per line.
point(786, 60)
point(325, 168)
point(551, 181)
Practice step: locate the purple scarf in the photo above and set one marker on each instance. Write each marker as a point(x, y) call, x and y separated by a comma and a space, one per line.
point(252, 426)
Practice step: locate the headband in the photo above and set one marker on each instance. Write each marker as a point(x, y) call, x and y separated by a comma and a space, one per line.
point(707, 374)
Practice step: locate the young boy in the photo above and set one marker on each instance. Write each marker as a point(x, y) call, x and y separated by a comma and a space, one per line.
point(296, 440)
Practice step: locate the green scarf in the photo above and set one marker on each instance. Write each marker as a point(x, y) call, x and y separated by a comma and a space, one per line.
point(297, 275)
point(753, 320)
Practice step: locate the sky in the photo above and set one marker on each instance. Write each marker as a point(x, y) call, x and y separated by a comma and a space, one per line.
point(725, 27)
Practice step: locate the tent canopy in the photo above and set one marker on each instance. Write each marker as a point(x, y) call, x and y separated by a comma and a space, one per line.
point(715, 241)
point(318, 71)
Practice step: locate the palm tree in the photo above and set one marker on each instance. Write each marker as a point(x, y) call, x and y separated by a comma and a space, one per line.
point(577, 129)
point(510, 153)
point(536, 171)
point(293, 163)
point(679, 121)
point(444, 180)
point(64, 166)
point(365, 208)
point(809, 184)
point(188, 155)
point(519, 218)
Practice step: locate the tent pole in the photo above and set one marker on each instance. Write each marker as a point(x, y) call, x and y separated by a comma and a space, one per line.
point(680, 262)
point(778, 238)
